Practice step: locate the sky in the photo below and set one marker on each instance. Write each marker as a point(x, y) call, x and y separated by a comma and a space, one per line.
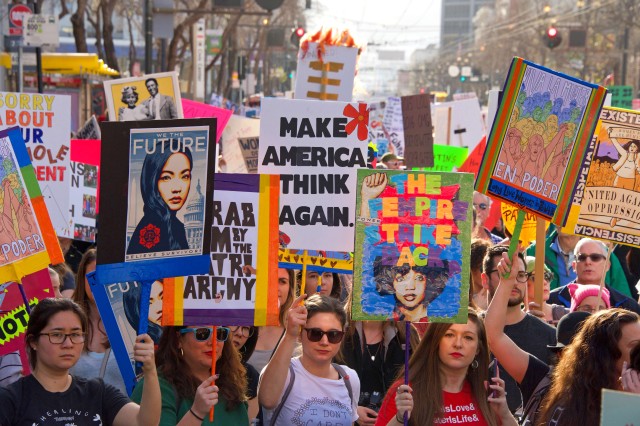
point(382, 24)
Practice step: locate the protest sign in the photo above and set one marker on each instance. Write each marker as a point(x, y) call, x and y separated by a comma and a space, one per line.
point(325, 72)
point(249, 148)
point(393, 126)
point(509, 216)
point(413, 237)
point(619, 408)
point(83, 195)
point(45, 123)
point(193, 109)
point(119, 307)
point(89, 130)
point(318, 261)
point(232, 154)
point(377, 132)
point(606, 201)
point(463, 123)
point(243, 259)
point(472, 163)
point(538, 140)
point(28, 242)
point(157, 178)
point(150, 97)
point(316, 148)
point(445, 158)
point(13, 312)
point(418, 131)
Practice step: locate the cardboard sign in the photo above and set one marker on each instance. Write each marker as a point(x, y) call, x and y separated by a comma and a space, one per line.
point(418, 131)
point(316, 148)
point(89, 130)
point(232, 154)
point(158, 178)
point(237, 290)
point(326, 73)
point(150, 97)
point(13, 313)
point(606, 201)
point(393, 126)
point(413, 239)
point(249, 148)
point(45, 123)
point(539, 139)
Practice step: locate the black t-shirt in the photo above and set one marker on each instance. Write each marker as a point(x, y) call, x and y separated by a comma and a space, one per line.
point(252, 380)
point(87, 402)
point(536, 370)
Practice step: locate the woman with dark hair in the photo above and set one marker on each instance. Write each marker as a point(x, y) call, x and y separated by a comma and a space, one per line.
point(188, 391)
point(244, 339)
point(131, 305)
point(97, 359)
point(165, 182)
point(448, 369)
point(55, 337)
point(325, 283)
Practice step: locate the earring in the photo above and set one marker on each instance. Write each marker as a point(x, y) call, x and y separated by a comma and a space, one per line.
point(181, 352)
point(474, 364)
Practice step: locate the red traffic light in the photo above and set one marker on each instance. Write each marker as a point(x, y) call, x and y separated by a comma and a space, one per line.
point(296, 35)
point(300, 32)
point(552, 37)
point(552, 32)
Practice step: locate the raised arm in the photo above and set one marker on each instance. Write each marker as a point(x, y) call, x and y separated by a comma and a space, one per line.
point(615, 143)
point(514, 360)
point(557, 140)
point(275, 373)
point(372, 186)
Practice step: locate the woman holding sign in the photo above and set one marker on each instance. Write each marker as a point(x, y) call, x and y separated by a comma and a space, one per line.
point(447, 376)
point(55, 337)
point(188, 389)
point(165, 182)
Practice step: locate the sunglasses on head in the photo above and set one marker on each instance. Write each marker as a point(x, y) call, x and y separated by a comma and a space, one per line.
point(315, 335)
point(594, 257)
point(203, 334)
point(481, 206)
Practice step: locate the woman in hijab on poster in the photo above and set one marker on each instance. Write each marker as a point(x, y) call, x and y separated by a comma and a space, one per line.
point(165, 182)
point(188, 388)
point(55, 338)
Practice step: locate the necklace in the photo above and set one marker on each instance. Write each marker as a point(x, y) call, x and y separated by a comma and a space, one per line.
point(373, 357)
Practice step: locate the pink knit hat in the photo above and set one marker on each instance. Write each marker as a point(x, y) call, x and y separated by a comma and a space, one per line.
point(580, 291)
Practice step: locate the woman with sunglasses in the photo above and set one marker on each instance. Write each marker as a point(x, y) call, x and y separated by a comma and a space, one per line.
point(188, 390)
point(55, 337)
point(244, 339)
point(319, 390)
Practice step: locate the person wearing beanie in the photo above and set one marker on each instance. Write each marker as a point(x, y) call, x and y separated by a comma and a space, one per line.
point(550, 313)
point(584, 298)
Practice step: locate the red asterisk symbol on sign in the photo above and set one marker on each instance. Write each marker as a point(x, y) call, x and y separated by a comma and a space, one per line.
point(360, 119)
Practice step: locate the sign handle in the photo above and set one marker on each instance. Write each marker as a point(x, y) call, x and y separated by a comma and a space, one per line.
point(143, 321)
point(214, 343)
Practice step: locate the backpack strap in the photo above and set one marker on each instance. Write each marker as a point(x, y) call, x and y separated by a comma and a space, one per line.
point(533, 405)
point(287, 391)
point(347, 381)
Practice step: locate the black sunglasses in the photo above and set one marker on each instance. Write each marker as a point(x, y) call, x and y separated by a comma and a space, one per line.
point(595, 257)
point(315, 335)
point(204, 333)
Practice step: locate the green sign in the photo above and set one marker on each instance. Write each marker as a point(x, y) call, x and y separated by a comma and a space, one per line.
point(445, 158)
point(621, 96)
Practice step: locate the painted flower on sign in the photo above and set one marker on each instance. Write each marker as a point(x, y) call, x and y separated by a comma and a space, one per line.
point(360, 120)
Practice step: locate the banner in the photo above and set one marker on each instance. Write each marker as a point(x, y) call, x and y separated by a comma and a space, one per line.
point(606, 201)
point(413, 239)
point(539, 139)
point(326, 72)
point(13, 312)
point(243, 259)
point(28, 242)
point(316, 148)
point(158, 179)
point(45, 123)
point(418, 130)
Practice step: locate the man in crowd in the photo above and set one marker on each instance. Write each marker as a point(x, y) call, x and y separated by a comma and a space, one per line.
point(590, 265)
point(528, 332)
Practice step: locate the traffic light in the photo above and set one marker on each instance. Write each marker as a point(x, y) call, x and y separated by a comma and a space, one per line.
point(296, 35)
point(463, 78)
point(552, 37)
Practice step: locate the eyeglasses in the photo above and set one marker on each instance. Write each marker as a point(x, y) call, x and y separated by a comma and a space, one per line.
point(204, 333)
point(246, 331)
point(594, 257)
point(482, 206)
point(589, 309)
point(58, 338)
point(522, 276)
point(547, 276)
point(315, 335)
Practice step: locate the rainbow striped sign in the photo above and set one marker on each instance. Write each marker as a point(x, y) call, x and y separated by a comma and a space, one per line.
point(28, 242)
point(244, 259)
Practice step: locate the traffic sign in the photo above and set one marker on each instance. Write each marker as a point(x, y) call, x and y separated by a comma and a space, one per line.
point(41, 30)
point(17, 17)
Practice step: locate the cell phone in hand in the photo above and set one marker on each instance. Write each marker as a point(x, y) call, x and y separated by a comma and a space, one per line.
point(494, 371)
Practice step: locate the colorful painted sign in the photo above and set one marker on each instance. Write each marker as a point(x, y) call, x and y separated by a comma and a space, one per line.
point(413, 237)
point(539, 138)
point(316, 148)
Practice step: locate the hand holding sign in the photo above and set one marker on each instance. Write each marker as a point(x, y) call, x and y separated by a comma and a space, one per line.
point(296, 317)
point(206, 397)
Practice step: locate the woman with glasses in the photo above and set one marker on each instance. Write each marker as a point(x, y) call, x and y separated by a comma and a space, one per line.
point(188, 389)
point(482, 208)
point(310, 389)
point(550, 313)
point(55, 336)
point(584, 298)
point(244, 339)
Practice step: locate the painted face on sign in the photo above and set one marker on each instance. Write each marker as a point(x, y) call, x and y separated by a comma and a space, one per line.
point(175, 181)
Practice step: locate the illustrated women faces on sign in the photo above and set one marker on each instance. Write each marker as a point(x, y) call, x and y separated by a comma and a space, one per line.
point(165, 182)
